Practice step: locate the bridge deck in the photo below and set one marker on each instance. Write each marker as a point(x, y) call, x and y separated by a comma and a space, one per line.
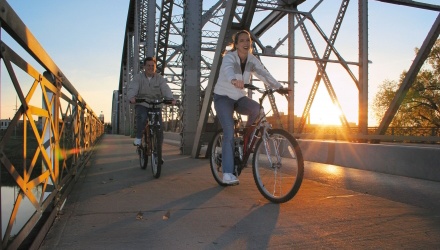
point(336, 208)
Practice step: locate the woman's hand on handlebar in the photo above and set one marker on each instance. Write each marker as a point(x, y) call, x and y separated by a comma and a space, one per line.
point(238, 83)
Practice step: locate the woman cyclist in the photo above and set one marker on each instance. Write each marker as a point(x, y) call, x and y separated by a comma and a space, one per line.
point(237, 66)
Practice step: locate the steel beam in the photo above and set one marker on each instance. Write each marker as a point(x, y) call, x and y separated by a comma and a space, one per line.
point(363, 68)
point(227, 29)
point(163, 34)
point(191, 73)
point(414, 4)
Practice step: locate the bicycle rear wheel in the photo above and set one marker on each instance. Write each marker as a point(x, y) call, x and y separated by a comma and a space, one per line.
point(215, 157)
point(278, 166)
point(156, 154)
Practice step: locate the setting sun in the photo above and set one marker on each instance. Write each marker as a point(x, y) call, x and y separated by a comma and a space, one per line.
point(323, 111)
point(327, 114)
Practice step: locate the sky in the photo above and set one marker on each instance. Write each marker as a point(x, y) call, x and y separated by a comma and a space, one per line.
point(85, 39)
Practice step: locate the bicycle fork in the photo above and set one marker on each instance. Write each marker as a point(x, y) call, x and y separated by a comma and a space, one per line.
point(271, 144)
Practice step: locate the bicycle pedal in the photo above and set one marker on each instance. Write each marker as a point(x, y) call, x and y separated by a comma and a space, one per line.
point(233, 184)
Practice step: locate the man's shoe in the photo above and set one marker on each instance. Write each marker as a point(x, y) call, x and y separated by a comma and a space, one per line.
point(230, 179)
point(137, 142)
point(161, 161)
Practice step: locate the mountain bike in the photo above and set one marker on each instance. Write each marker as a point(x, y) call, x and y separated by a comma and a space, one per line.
point(150, 144)
point(277, 161)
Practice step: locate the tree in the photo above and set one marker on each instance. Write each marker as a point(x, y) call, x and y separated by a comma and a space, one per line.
point(421, 105)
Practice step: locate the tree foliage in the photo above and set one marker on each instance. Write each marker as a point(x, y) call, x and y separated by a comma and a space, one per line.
point(421, 105)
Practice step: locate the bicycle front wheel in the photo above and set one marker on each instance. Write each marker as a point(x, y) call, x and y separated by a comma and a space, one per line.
point(156, 153)
point(278, 166)
point(215, 157)
point(143, 156)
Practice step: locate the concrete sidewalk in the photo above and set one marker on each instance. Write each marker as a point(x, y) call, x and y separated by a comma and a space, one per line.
point(117, 205)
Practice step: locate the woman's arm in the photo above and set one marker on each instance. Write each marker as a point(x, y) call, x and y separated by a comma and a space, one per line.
point(228, 67)
point(263, 74)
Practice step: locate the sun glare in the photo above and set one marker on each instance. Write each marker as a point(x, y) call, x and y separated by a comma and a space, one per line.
point(325, 114)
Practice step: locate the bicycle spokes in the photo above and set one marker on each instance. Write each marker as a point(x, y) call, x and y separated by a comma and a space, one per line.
point(277, 170)
point(272, 149)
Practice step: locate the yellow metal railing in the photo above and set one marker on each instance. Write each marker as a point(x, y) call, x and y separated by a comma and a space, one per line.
point(47, 142)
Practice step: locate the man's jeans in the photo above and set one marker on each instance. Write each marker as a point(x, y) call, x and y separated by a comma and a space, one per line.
point(224, 107)
point(141, 121)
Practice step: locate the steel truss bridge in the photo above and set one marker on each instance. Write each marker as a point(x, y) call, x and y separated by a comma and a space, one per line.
point(58, 129)
point(188, 41)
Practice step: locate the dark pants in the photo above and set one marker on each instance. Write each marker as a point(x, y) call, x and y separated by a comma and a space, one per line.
point(142, 118)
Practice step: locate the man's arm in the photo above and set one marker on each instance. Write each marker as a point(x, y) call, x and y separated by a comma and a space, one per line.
point(165, 89)
point(132, 89)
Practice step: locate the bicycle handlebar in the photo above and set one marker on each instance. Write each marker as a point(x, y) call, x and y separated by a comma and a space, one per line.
point(283, 91)
point(157, 102)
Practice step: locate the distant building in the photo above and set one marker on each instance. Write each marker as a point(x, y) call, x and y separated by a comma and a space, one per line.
point(4, 123)
point(101, 117)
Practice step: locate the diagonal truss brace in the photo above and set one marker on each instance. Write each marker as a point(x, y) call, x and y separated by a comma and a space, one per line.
point(321, 74)
point(410, 76)
point(163, 34)
point(325, 78)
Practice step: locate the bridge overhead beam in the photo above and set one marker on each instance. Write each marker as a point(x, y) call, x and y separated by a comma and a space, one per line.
point(414, 4)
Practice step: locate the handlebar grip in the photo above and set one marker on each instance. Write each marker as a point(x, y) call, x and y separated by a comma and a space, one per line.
point(283, 91)
point(167, 101)
point(250, 86)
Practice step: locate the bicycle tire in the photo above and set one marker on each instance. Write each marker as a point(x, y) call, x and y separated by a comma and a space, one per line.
point(156, 154)
point(143, 157)
point(280, 180)
point(214, 152)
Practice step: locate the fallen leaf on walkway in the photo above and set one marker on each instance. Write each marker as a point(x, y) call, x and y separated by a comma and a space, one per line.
point(139, 216)
point(166, 216)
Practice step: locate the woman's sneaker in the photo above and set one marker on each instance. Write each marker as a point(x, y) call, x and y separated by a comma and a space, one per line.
point(230, 179)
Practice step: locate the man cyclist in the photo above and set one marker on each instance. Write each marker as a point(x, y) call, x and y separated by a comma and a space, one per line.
point(150, 86)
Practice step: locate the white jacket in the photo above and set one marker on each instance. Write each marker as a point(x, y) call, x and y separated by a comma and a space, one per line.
point(231, 69)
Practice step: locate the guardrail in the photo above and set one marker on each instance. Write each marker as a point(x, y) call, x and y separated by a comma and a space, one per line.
point(392, 134)
point(47, 142)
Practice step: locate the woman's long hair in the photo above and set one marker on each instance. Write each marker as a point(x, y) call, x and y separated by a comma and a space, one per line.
point(235, 41)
